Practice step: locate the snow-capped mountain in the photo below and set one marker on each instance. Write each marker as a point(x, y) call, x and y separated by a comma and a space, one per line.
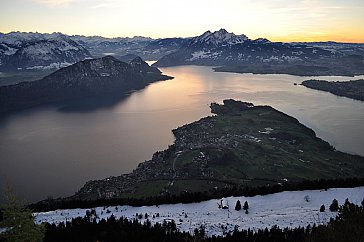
point(217, 38)
point(24, 51)
point(224, 48)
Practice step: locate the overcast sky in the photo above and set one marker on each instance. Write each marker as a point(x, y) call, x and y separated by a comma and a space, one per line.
point(277, 20)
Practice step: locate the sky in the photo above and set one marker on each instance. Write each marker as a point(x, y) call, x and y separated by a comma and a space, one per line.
point(277, 20)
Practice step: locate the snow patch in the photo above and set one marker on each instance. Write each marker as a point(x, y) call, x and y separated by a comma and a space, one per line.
point(56, 65)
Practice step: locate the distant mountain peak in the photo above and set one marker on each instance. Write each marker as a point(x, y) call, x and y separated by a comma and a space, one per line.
point(207, 33)
point(222, 31)
point(108, 57)
point(262, 40)
point(137, 60)
point(218, 38)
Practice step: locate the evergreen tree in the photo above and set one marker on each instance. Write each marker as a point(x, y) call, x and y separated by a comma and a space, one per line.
point(238, 205)
point(19, 221)
point(322, 208)
point(246, 205)
point(334, 206)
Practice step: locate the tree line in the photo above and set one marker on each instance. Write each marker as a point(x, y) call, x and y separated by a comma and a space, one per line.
point(347, 226)
point(189, 197)
point(19, 225)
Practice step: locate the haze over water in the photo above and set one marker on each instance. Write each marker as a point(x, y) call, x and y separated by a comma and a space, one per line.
point(55, 150)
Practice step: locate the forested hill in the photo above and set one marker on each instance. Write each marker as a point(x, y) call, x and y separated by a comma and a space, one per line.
point(92, 77)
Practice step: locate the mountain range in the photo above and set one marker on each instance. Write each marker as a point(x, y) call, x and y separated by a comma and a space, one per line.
point(228, 51)
point(224, 48)
point(29, 51)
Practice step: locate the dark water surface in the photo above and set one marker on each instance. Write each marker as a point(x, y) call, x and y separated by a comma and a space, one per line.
point(53, 151)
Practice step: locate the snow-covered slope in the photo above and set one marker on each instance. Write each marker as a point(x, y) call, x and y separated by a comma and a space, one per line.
point(285, 209)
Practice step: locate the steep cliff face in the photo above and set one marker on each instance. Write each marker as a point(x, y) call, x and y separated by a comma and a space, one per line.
point(91, 77)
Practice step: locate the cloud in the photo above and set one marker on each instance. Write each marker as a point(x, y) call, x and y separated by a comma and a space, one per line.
point(106, 4)
point(56, 2)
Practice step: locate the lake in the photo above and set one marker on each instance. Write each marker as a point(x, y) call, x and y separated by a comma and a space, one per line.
point(54, 150)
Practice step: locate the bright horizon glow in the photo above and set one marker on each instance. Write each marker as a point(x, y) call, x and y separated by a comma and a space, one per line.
point(277, 20)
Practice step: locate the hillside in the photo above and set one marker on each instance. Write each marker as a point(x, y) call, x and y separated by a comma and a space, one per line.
point(286, 209)
point(92, 77)
point(244, 145)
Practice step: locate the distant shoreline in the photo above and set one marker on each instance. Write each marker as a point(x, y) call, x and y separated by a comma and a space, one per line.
point(296, 70)
point(351, 89)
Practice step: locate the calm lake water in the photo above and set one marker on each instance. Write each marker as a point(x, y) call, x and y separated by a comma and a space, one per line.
point(53, 151)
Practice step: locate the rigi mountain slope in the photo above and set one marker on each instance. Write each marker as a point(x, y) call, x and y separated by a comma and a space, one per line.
point(244, 145)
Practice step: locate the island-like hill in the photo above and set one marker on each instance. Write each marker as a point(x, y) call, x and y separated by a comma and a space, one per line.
point(92, 77)
point(351, 89)
point(243, 145)
point(238, 53)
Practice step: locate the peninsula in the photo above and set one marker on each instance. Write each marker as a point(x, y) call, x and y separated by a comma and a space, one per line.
point(242, 145)
point(350, 89)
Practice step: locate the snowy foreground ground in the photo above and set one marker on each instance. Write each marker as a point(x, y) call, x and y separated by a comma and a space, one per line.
point(285, 209)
